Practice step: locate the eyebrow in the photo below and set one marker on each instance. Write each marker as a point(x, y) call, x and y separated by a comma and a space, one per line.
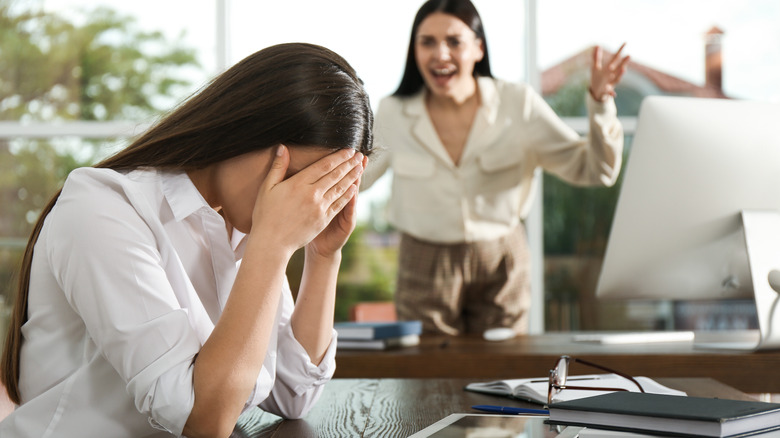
point(449, 35)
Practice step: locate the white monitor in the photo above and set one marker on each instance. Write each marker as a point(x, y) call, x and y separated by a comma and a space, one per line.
point(695, 166)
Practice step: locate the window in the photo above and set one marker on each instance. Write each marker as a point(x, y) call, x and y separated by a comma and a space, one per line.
point(665, 38)
point(698, 48)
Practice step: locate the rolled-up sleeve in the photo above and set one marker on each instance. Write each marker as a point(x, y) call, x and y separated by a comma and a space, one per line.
point(593, 160)
point(297, 382)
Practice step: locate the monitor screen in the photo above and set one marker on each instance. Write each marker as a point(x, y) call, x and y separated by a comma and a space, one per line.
point(694, 165)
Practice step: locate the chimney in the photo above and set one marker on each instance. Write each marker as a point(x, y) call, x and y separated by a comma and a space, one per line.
point(713, 65)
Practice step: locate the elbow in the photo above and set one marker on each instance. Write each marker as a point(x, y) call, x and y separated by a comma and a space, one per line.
point(208, 426)
point(214, 416)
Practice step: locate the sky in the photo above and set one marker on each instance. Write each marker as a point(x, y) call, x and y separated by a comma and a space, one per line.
point(667, 35)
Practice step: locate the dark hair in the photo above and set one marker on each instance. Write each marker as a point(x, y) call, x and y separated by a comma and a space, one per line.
point(464, 10)
point(294, 94)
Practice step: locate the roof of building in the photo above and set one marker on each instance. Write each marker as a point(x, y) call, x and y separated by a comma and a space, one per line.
point(558, 75)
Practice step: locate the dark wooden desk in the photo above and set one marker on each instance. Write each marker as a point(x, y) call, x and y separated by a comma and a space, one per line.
point(388, 408)
point(533, 356)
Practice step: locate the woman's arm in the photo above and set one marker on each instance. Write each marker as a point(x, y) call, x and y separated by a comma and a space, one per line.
point(228, 364)
point(312, 319)
point(288, 214)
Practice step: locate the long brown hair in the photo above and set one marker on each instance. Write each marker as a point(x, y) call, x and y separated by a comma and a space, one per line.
point(293, 94)
point(412, 80)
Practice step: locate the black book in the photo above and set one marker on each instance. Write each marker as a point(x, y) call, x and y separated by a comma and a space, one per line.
point(668, 414)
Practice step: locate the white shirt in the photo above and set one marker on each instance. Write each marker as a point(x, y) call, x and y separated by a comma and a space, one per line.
point(489, 192)
point(129, 276)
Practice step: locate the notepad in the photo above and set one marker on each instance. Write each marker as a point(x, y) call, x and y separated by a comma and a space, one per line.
point(535, 389)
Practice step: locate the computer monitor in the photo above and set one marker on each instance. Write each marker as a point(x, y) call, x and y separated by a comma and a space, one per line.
point(698, 171)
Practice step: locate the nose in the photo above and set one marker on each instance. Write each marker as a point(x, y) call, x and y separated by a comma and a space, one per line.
point(442, 51)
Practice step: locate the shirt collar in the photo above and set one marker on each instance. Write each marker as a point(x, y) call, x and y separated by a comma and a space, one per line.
point(185, 200)
point(489, 97)
point(181, 194)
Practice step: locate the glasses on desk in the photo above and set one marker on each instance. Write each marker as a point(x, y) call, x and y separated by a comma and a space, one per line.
point(560, 373)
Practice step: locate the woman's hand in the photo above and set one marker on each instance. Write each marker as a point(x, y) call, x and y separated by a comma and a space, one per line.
point(335, 235)
point(604, 78)
point(291, 212)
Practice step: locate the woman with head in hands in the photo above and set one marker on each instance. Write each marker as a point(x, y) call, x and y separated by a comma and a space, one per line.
point(153, 299)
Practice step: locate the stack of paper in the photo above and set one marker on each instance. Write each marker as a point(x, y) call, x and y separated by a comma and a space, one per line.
point(378, 335)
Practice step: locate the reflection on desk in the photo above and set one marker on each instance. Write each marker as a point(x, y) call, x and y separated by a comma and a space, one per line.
point(390, 408)
point(534, 355)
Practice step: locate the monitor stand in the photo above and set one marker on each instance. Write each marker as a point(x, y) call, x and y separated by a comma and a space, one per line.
point(762, 239)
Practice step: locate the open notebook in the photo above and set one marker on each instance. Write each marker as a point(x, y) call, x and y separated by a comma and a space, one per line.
point(535, 389)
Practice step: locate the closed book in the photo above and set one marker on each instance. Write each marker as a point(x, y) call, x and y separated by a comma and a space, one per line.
point(378, 344)
point(377, 330)
point(662, 414)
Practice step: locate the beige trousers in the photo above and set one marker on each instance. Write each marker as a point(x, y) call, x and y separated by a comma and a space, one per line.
point(465, 287)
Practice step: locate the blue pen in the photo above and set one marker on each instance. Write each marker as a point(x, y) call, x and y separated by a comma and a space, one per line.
point(510, 410)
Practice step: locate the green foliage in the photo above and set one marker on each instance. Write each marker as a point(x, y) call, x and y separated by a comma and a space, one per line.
point(105, 69)
point(367, 273)
point(577, 220)
point(52, 69)
point(569, 101)
point(38, 171)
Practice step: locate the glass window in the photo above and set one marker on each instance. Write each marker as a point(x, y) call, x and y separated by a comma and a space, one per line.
point(699, 48)
point(76, 79)
point(43, 72)
point(372, 37)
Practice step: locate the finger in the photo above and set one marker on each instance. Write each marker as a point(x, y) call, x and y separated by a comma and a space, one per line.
point(342, 201)
point(350, 210)
point(619, 51)
point(341, 186)
point(325, 165)
point(617, 75)
point(278, 166)
point(336, 176)
point(624, 63)
point(597, 58)
point(616, 57)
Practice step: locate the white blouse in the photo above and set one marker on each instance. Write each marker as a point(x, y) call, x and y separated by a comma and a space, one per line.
point(130, 274)
point(491, 189)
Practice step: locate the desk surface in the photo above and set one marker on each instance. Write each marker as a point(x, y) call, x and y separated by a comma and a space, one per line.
point(533, 356)
point(390, 408)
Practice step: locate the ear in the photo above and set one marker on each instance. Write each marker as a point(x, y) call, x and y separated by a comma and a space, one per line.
point(480, 49)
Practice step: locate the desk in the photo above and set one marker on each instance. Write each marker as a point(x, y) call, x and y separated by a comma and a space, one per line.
point(533, 356)
point(388, 408)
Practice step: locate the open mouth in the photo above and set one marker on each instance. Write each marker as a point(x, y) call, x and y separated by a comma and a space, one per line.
point(444, 74)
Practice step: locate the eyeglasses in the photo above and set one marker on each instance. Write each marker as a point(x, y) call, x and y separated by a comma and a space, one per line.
point(560, 373)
